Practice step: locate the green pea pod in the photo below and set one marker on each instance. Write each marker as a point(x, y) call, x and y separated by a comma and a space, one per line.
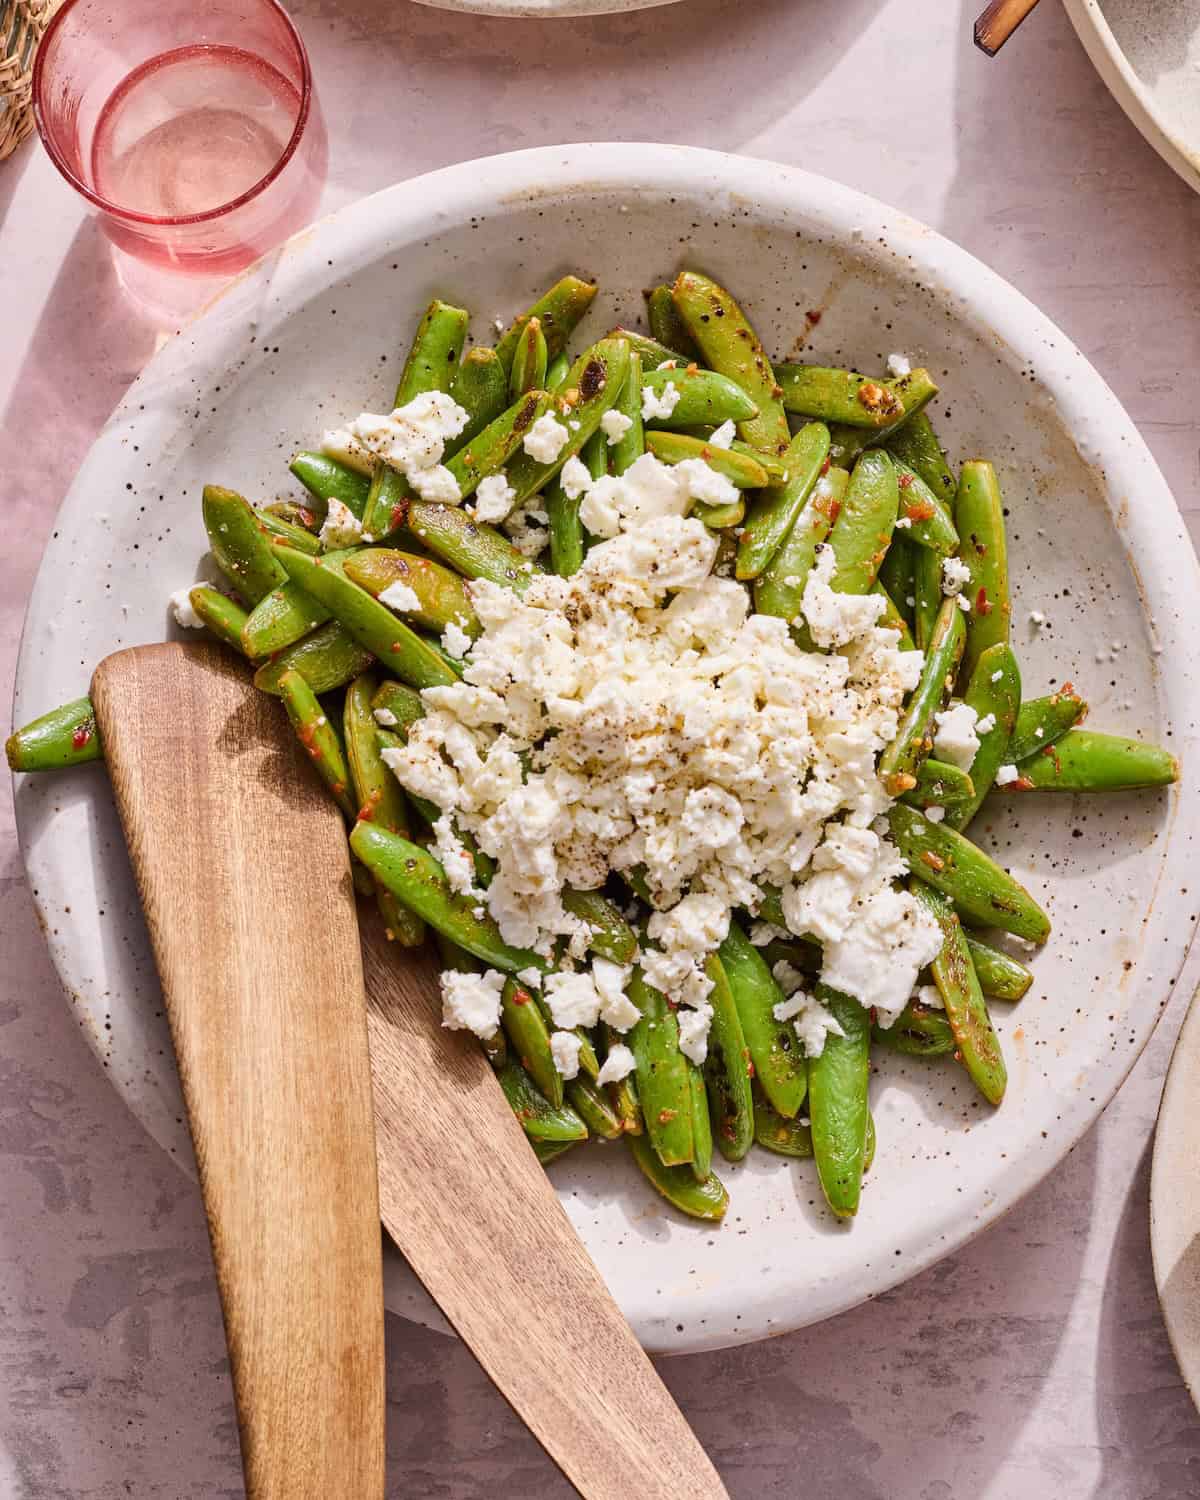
point(302, 517)
point(415, 877)
point(326, 479)
point(917, 1031)
point(326, 659)
point(719, 517)
point(914, 392)
point(566, 529)
point(557, 371)
point(703, 396)
point(611, 935)
point(461, 962)
point(628, 449)
point(829, 395)
point(651, 352)
point(863, 529)
point(930, 522)
point(480, 387)
point(966, 1010)
point(528, 1034)
point(915, 443)
point(706, 1200)
point(994, 691)
point(939, 784)
point(66, 736)
point(979, 888)
point(891, 618)
point(592, 386)
point(594, 1109)
point(727, 1069)
point(729, 345)
point(528, 372)
point(779, 589)
point(496, 444)
point(276, 525)
point(1041, 721)
point(240, 547)
point(442, 597)
point(701, 1126)
point(896, 575)
point(927, 592)
point(432, 361)
point(899, 763)
point(544, 1123)
point(1000, 975)
point(663, 1082)
point(220, 614)
point(773, 1132)
point(386, 499)
point(399, 650)
point(673, 447)
point(547, 1153)
point(473, 549)
point(318, 737)
point(773, 1047)
point(837, 1103)
point(774, 513)
point(979, 516)
point(802, 953)
point(869, 1148)
point(623, 1094)
point(281, 618)
point(667, 326)
point(402, 706)
point(1084, 760)
point(559, 311)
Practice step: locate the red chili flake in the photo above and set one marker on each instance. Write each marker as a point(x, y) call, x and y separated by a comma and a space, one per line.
point(749, 1068)
point(834, 511)
point(919, 510)
point(82, 735)
point(983, 605)
point(825, 466)
point(813, 315)
point(905, 481)
point(934, 861)
point(399, 513)
point(1022, 784)
point(521, 997)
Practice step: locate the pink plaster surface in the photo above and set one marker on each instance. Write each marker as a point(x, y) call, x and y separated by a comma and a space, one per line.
point(1034, 1363)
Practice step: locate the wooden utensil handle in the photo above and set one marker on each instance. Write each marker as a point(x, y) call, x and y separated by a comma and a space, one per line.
point(998, 22)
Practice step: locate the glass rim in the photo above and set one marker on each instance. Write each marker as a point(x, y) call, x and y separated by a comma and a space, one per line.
point(135, 216)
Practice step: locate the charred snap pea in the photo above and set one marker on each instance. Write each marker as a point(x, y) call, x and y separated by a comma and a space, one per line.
point(610, 934)
point(927, 594)
point(386, 498)
point(774, 1132)
point(562, 510)
point(702, 1140)
point(326, 479)
point(939, 784)
point(433, 359)
point(396, 707)
point(594, 1109)
point(773, 1046)
point(699, 1200)
point(779, 589)
point(864, 525)
point(303, 517)
point(651, 352)
point(546, 1124)
point(727, 1069)
point(1041, 721)
point(326, 659)
point(915, 443)
point(630, 446)
point(899, 763)
point(837, 1103)
point(663, 1079)
point(918, 1031)
point(994, 692)
point(440, 594)
point(896, 576)
point(476, 550)
point(66, 736)
point(913, 392)
point(979, 516)
point(1083, 760)
point(667, 326)
point(276, 525)
point(220, 614)
point(999, 974)
point(673, 447)
point(775, 512)
point(828, 395)
point(239, 545)
point(530, 359)
point(700, 396)
point(623, 1094)
point(558, 312)
point(318, 737)
point(923, 516)
point(528, 1036)
point(480, 387)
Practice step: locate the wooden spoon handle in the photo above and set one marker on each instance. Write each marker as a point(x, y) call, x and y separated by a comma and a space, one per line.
point(998, 21)
point(241, 864)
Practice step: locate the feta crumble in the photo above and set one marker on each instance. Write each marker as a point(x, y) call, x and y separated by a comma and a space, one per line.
point(658, 405)
point(618, 1064)
point(986, 724)
point(400, 596)
point(935, 814)
point(412, 439)
point(546, 439)
point(614, 425)
point(494, 498)
point(955, 575)
point(1006, 775)
point(564, 1049)
point(723, 436)
point(956, 738)
point(455, 640)
point(341, 527)
point(386, 718)
point(183, 609)
point(899, 365)
point(471, 1002)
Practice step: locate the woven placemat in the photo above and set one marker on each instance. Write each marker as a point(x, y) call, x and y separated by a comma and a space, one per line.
point(21, 25)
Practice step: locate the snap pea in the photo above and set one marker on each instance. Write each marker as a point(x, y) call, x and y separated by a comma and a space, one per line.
point(1041, 721)
point(415, 877)
point(779, 589)
point(699, 1200)
point(299, 536)
point(896, 575)
point(774, 1132)
point(774, 513)
point(441, 594)
point(399, 702)
point(326, 659)
point(673, 447)
point(220, 614)
point(899, 762)
point(430, 813)
point(1083, 760)
point(547, 1152)
point(663, 1082)
point(559, 311)
point(918, 1031)
point(863, 529)
point(610, 935)
point(593, 1108)
point(931, 523)
point(629, 448)
point(702, 1147)
point(318, 737)
point(280, 619)
point(304, 517)
point(433, 359)
point(891, 618)
point(544, 1123)
point(557, 371)
point(384, 510)
point(927, 593)
point(66, 736)
point(480, 387)
point(703, 396)
point(914, 392)
point(1000, 975)
point(528, 372)
point(979, 516)
point(979, 888)
point(727, 1069)
point(837, 1103)
point(240, 547)
point(939, 784)
point(773, 1046)
point(719, 517)
point(869, 1148)
point(623, 1094)
point(495, 446)
point(566, 529)
point(326, 479)
point(399, 650)
point(475, 550)
point(667, 326)
point(729, 345)
point(652, 353)
point(525, 1026)
point(829, 395)
point(993, 691)
point(915, 443)
point(966, 1010)
point(460, 961)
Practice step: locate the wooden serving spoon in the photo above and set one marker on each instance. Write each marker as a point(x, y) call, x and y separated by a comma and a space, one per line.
point(998, 22)
point(461, 1193)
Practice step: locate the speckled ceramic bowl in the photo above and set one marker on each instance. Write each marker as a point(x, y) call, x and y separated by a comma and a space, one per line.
point(546, 8)
point(1096, 544)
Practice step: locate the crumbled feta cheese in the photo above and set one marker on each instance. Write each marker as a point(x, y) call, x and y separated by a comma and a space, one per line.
point(526, 527)
point(986, 724)
point(564, 1049)
point(930, 997)
point(723, 436)
point(471, 1002)
point(658, 406)
point(762, 933)
point(1006, 775)
point(412, 439)
point(386, 718)
point(614, 425)
point(955, 575)
point(574, 478)
point(617, 1065)
point(963, 603)
point(530, 978)
point(956, 739)
point(400, 596)
point(455, 640)
point(813, 1023)
point(935, 814)
point(573, 999)
point(693, 1033)
point(899, 365)
point(341, 528)
point(546, 439)
point(616, 1008)
point(1036, 618)
point(494, 498)
point(668, 364)
point(1039, 732)
point(437, 485)
point(836, 619)
point(997, 674)
point(183, 609)
point(903, 523)
point(455, 858)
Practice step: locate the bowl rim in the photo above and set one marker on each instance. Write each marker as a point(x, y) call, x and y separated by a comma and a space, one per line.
point(1143, 510)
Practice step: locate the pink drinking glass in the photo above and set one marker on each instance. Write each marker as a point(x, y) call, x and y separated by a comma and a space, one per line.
point(191, 125)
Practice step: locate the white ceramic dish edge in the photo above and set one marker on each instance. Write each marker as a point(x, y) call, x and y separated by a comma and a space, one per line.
point(545, 9)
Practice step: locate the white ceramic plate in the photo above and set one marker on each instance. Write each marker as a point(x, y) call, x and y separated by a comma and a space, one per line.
point(1175, 1202)
point(1096, 542)
point(1148, 54)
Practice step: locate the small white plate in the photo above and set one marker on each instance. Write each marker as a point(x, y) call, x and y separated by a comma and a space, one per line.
point(1175, 1201)
point(1148, 53)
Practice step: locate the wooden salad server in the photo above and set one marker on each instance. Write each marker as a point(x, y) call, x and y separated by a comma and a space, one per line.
point(460, 1192)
